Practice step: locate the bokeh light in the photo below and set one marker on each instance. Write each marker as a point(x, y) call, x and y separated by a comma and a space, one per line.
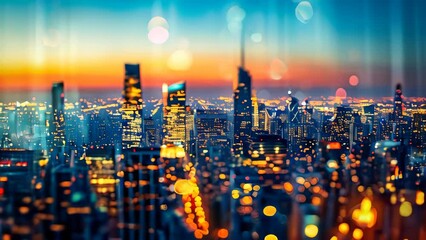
point(158, 30)
point(269, 211)
point(235, 14)
point(183, 187)
point(222, 233)
point(357, 234)
point(277, 69)
point(311, 231)
point(235, 17)
point(353, 80)
point(158, 35)
point(344, 228)
point(256, 37)
point(270, 237)
point(405, 210)
point(304, 11)
point(180, 60)
point(420, 197)
point(341, 93)
point(157, 22)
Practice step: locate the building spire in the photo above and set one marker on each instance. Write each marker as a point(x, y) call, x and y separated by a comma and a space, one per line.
point(242, 46)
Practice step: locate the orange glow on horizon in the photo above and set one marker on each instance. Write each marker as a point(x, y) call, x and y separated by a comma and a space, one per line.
point(206, 71)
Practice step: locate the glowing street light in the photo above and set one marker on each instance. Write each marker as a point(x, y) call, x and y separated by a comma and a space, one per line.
point(366, 215)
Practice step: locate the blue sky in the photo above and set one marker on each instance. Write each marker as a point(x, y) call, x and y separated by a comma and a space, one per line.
point(381, 41)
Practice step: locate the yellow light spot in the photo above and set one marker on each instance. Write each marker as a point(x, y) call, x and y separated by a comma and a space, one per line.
point(405, 210)
point(184, 187)
point(357, 234)
point(235, 194)
point(365, 215)
point(300, 180)
point(269, 211)
point(247, 187)
point(246, 200)
point(344, 228)
point(393, 198)
point(270, 237)
point(420, 197)
point(311, 231)
point(288, 187)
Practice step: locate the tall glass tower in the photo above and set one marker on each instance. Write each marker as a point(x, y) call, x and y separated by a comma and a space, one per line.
point(242, 113)
point(131, 110)
point(175, 114)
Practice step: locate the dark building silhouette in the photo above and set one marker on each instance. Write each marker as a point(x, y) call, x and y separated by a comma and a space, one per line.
point(141, 194)
point(242, 113)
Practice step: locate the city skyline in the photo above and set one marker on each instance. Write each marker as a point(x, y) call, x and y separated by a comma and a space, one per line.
point(212, 120)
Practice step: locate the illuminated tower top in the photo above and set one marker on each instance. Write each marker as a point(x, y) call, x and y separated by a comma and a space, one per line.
point(132, 92)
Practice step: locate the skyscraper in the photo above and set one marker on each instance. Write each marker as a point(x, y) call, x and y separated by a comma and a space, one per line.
point(255, 105)
point(341, 126)
point(211, 130)
point(399, 123)
point(397, 106)
point(175, 114)
point(142, 194)
point(132, 108)
point(242, 113)
point(58, 118)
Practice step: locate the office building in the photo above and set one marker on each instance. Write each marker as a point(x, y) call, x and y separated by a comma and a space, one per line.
point(131, 109)
point(175, 114)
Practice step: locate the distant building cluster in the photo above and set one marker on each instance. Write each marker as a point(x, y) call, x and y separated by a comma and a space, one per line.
point(227, 168)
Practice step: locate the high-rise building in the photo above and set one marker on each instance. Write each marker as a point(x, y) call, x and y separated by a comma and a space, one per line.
point(292, 126)
point(141, 194)
point(211, 129)
point(102, 175)
point(132, 108)
point(419, 132)
point(398, 121)
point(175, 114)
point(255, 105)
point(17, 165)
point(397, 102)
point(150, 132)
point(242, 113)
point(189, 131)
point(58, 118)
point(341, 126)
